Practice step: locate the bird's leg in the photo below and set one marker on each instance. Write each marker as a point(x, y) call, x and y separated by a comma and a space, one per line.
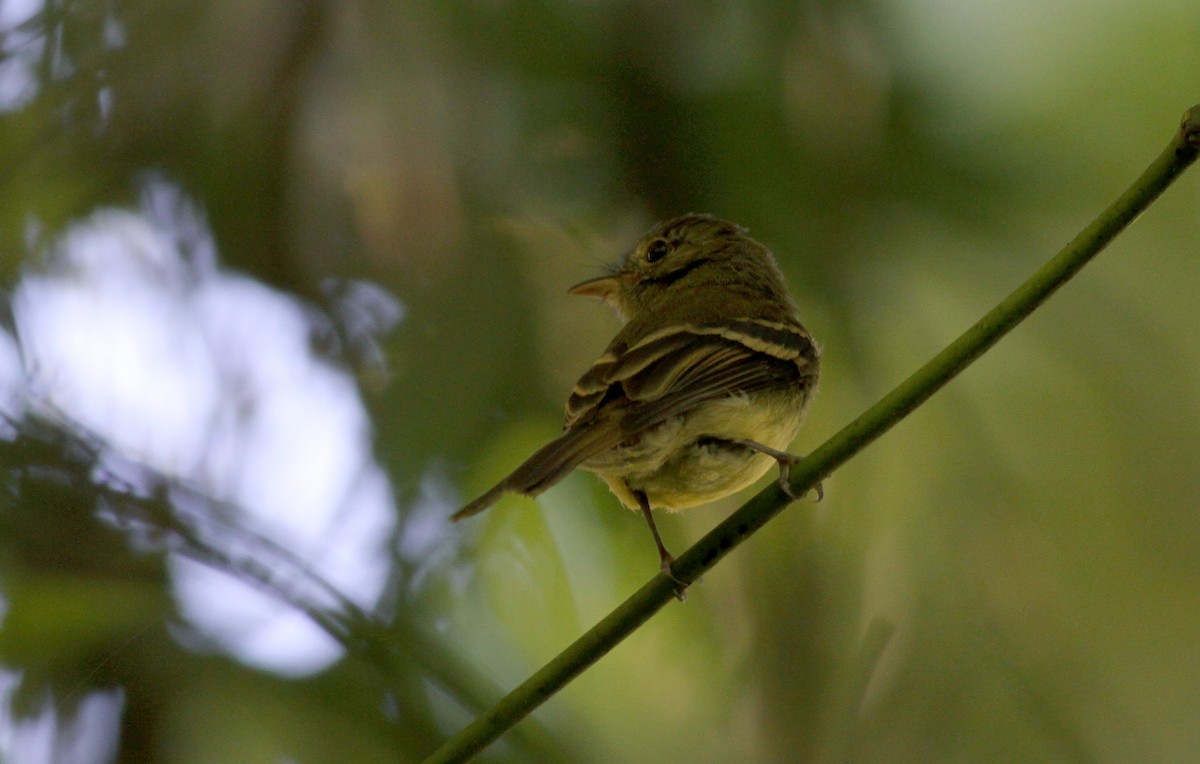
point(785, 461)
point(664, 557)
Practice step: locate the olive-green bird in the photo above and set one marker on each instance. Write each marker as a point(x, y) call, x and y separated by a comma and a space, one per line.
point(703, 388)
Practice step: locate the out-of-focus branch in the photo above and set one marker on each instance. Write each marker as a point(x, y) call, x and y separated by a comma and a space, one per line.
point(850, 440)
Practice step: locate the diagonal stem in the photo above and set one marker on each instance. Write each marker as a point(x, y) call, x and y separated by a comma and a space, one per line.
point(847, 442)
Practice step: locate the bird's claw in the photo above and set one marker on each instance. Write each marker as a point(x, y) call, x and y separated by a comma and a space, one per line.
point(786, 461)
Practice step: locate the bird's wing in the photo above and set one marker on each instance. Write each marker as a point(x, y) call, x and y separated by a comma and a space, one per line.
point(674, 369)
point(665, 373)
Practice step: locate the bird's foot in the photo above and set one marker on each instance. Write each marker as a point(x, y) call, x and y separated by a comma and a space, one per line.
point(785, 461)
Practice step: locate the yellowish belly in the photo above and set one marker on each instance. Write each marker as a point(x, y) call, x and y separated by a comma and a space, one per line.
point(689, 460)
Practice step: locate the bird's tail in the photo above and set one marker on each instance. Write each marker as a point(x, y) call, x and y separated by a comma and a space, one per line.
point(548, 465)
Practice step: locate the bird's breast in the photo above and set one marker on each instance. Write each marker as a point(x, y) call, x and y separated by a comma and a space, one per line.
point(692, 458)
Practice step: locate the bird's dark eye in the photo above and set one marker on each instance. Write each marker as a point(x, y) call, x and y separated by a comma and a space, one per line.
point(657, 250)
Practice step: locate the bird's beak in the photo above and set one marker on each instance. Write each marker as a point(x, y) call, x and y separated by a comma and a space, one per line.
point(602, 288)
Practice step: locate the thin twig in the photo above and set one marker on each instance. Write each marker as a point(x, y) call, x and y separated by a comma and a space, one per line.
point(836, 451)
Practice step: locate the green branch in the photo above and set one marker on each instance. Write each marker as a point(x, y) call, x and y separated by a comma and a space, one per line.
point(836, 451)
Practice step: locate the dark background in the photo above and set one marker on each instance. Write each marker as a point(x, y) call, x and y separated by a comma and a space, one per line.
point(1030, 535)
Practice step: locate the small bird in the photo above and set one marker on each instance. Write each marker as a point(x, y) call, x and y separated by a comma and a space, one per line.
point(702, 389)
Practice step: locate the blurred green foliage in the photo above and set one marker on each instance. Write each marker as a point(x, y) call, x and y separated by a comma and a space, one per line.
point(1029, 536)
